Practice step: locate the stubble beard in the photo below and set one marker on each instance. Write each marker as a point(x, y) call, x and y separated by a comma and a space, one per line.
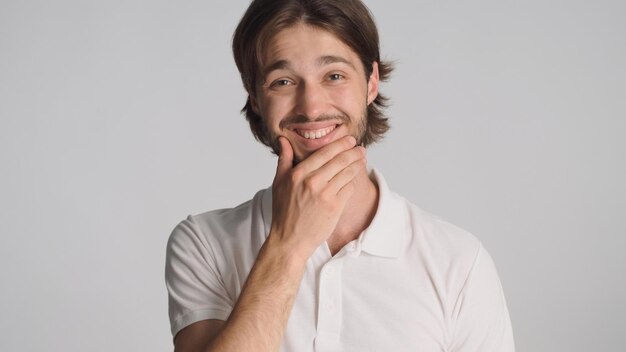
point(359, 134)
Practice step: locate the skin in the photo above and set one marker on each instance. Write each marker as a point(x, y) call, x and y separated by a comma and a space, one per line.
point(318, 83)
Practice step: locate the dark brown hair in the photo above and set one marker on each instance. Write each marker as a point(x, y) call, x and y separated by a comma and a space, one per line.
point(349, 20)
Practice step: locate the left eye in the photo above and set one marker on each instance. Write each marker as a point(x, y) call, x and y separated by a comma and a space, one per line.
point(335, 77)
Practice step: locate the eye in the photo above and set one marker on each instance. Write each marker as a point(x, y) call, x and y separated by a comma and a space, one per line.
point(280, 83)
point(335, 77)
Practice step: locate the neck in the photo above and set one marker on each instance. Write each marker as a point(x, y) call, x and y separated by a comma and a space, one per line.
point(357, 214)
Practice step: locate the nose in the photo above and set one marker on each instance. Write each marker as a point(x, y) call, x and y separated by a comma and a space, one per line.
point(311, 100)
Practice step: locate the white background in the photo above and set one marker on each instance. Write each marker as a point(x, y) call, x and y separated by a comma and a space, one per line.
point(119, 118)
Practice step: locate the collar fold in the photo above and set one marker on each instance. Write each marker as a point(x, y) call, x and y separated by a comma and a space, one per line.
point(385, 235)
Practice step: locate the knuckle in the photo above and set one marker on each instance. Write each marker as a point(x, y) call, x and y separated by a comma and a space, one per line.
point(309, 183)
point(360, 163)
point(327, 198)
point(296, 175)
point(352, 171)
point(331, 204)
point(352, 155)
point(315, 179)
point(342, 159)
point(359, 153)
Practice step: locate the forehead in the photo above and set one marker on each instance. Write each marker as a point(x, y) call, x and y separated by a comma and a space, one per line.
point(305, 44)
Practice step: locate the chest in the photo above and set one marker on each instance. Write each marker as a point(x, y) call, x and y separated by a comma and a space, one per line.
point(365, 304)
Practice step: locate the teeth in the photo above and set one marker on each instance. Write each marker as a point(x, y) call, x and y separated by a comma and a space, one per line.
point(316, 134)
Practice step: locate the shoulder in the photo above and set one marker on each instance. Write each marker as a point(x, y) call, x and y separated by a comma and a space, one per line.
point(440, 233)
point(449, 254)
point(441, 244)
point(222, 225)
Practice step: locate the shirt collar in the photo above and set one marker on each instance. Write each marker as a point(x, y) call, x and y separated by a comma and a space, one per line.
point(385, 235)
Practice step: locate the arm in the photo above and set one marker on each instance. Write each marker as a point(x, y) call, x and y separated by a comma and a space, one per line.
point(307, 202)
point(197, 335)
point(259, 317)
point(480, 317)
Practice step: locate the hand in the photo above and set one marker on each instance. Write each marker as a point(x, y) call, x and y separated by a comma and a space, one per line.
point(308, 199)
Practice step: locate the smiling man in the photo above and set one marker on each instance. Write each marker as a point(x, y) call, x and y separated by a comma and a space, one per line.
point(328, 258)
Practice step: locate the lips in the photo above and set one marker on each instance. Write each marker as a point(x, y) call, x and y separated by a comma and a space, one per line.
point(315, 133)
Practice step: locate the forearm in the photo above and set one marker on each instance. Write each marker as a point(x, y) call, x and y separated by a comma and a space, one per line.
point(307, 201)
point(259, 318)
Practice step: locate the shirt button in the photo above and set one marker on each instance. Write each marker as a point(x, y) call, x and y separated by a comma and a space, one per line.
point(330, 306)
point(329, 271)
point(351, 247)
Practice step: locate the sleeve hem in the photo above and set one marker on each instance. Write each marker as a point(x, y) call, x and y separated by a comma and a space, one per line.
point(197, 315)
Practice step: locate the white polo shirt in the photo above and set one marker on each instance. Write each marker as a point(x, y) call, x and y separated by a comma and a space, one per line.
point(410, 282)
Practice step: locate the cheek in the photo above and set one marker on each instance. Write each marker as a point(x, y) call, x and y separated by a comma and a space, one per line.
point(350, 99)
point(275, 109)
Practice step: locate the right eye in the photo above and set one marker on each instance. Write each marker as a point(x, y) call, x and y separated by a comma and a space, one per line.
point(280, 83)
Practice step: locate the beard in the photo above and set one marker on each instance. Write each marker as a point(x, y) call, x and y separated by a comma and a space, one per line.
point(359, 134)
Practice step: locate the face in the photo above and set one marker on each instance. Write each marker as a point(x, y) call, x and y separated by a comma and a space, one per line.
point(313, 89)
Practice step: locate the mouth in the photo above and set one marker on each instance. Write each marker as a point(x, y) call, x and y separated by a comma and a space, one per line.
point(315, 133)
point(311, 136)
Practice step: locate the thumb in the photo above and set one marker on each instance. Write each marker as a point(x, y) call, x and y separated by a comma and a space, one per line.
point(285, 158)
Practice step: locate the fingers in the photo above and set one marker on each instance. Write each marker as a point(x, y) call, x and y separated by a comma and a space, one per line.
point(339, 163)
point(327, 170)
point(346, 192)
point(345, 177)
point(285, 159)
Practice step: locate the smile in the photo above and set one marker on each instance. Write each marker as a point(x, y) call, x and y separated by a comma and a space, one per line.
point(315, 134)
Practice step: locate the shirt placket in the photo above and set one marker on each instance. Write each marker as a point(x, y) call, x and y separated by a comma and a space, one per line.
point(330, 312)
point(329, 307)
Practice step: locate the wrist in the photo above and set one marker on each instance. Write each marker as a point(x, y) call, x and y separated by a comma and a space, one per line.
point(292, 253)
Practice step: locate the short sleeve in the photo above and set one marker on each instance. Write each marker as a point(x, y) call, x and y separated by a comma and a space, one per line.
point(195, 289)
point(481, 320)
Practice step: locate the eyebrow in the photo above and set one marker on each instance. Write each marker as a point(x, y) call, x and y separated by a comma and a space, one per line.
point(321, 61)
point(276, 65)
point(331, 59)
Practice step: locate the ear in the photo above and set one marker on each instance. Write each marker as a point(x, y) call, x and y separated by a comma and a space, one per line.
point(372, 84)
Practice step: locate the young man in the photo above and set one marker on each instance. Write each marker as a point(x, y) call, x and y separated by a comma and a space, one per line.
point(328, 258)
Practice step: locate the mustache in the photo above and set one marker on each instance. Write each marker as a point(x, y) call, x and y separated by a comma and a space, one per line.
point(303, 119)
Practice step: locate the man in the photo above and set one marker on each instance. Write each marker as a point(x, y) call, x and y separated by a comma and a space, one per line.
point(328, 259)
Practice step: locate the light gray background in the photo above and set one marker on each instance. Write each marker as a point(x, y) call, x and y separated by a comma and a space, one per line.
point(119, 118)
